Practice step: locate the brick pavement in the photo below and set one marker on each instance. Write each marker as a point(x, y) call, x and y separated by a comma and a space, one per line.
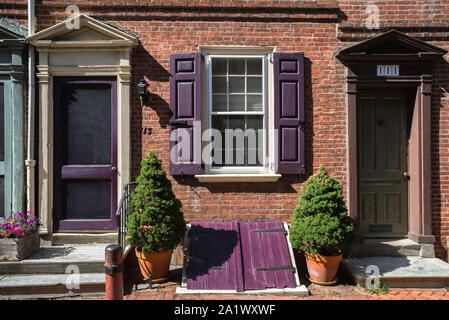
point(343, 291)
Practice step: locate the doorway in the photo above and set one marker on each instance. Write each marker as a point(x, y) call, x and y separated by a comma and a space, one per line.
point(85, 154)
point(382, 163)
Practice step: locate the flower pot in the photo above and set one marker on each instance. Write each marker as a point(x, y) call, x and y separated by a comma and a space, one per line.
point(322, 269)
point(154, 264)
point(13, 249)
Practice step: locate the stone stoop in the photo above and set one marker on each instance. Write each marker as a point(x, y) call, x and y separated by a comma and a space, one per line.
point(53, 271)
point(401, 263)
point(391, 248)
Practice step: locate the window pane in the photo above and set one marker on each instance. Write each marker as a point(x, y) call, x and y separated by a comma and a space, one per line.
point(237, 102)
point(236, 66)
point(236, 84)
point(254, 85)
point(220, 123)
point(245, 146)
point(254, 103)
point(254, 147)
point(219, 66)
point(88, 200)
point(88, 114)
point(254, 66)
point(219, 85)
point(219, 103)
point(2, 124)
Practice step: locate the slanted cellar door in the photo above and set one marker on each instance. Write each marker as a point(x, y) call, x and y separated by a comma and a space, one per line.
point(239, 256)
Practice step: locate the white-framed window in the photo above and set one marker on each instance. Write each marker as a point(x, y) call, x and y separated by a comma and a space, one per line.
point(237, 106)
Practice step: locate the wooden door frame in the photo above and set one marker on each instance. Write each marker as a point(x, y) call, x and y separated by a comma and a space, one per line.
point(414, 58)
point(419, 156)
point(63, 53)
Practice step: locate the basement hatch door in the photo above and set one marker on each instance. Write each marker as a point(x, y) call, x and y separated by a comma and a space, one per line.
point(239, 256)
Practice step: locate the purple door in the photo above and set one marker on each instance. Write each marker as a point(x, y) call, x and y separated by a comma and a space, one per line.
point(85, 154)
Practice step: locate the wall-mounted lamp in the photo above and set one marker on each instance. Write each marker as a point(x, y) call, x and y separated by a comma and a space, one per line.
point(142, 91)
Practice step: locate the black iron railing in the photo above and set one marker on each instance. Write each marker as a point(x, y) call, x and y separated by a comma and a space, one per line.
point(122, 212)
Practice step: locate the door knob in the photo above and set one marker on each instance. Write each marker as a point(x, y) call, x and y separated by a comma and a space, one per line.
point(114, 169)
point(405, 174)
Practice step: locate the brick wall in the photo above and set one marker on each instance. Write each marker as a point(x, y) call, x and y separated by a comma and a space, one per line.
point(317, 28)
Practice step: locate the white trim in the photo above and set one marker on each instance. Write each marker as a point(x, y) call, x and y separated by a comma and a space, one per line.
point(236, 50)
point(118, 52)
point(235, 177)
point(60, 28)
point(238, 53)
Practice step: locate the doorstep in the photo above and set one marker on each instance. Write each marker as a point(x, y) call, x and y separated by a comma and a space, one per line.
point(73, 238)
point(400, 272)
point(47, 272)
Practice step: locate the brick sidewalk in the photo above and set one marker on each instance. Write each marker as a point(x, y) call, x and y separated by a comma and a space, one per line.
point(343, 291)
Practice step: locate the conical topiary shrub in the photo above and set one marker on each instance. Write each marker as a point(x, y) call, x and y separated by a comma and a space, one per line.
point(320, 224)
point(155, 221)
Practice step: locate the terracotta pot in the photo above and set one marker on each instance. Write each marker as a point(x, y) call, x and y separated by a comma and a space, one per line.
point(154, 264)
point(322, 269)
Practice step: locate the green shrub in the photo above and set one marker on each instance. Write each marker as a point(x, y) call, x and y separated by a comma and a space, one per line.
point(155, 220)
point(320, 222)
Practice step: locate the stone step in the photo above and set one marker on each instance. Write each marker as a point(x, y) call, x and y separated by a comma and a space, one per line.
point(61, 239)
point(400, 272)
point(58, 260)
point(22, 286)
point(391, 248)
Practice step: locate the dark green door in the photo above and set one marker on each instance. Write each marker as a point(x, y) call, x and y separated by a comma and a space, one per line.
point(382, 163)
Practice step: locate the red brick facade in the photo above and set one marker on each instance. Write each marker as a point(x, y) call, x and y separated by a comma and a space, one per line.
point(316, 28)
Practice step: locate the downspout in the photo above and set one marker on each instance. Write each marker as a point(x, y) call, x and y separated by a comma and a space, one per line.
point(30, 163)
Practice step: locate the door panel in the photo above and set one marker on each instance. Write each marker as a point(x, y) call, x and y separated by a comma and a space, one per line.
point(85, 154)
point(382, 158)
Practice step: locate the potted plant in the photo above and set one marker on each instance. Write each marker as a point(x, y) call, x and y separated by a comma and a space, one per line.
point(155, 224)
point(19, 236)
point(321, 226)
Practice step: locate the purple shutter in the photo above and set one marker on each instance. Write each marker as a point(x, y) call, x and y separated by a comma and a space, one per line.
point(289, 112)
point(185, 114)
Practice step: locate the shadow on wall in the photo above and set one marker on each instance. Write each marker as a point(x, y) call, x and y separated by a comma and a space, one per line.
point(157, 73)
point(145, 64)
point(440, 90)
point(210, 249)
point(283, 185)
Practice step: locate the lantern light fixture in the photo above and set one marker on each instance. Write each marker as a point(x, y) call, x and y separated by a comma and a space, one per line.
point(142, 91)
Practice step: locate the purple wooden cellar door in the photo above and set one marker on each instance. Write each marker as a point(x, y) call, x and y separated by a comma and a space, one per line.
point(266, 258)
point(215, 257)
point(85, 153)
point(239, 256)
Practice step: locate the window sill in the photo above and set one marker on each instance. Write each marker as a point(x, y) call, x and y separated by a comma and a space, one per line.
point(243, 177)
